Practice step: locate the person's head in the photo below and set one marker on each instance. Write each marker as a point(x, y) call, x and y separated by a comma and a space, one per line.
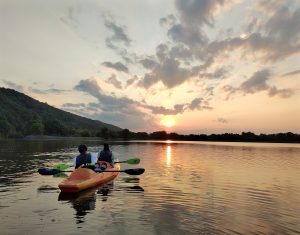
point(105, 147)
point(82, 148)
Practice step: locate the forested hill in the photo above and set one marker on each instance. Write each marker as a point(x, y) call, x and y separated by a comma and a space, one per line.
point(21, 115)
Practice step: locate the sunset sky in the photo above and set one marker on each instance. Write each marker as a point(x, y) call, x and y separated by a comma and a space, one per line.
point(185, 66)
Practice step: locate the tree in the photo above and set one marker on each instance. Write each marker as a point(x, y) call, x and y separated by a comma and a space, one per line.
point(4, 128)
point(125, 134)
point(104, 132)
point(35, 127)
point(85, 133)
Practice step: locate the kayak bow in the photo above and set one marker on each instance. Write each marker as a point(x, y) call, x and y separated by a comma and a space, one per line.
point(84, 178)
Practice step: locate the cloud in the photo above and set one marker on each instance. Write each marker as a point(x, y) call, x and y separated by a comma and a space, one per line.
point(116, 110)
point(119, 34)
point(188, 35)
point(181, 52)
point(148, 63)
point(114, 81)
point(132, 80)
point(113, 109)
point(283, 93)
point(256, 83)
point(200, 12)
point(47, 91)
point(71, 105)
point(199, 104)
point(23, 89)
point(275, 39)
point(219, 73)
point(89, 86)
point(165, 111)
point(168, 20)
point(292, 73)
point(196, 104)
point(13, 85)
point(222, 120)
point(117, 66)
point(169, 72)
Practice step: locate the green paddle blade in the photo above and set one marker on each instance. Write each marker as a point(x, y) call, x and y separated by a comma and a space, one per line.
point(133, 161)
point(60, 175)
point(61, 166)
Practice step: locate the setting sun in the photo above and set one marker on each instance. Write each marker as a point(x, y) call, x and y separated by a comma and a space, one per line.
point(167, 122)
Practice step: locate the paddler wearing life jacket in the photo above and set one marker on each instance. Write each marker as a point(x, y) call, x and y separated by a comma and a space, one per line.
point(106, 155)
point(84, 157)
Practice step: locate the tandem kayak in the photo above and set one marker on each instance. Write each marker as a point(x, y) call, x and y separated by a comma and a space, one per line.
point(84, 178)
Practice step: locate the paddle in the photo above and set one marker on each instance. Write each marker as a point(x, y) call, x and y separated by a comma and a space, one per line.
point(132, 161)
point(63, 166)
point(136, 171)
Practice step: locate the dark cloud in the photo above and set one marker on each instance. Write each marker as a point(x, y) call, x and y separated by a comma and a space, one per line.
point(89, 86)
point(168, 21)
point(283, 93)
point(196, 104)
point(13, 85)
point(256, 83)
point(131, 81)
point(71, 105)
point(179, 108)
point(219, 73)
point(222, 120)
point(114, 81)
point(199, 104)
point(119, 34)
point(190, 36)
point(117, 110)
point(181, 52)
point(112, 109)
point(277, 38)
point(169, 72)
point(199, 12)
point(148, 63)
point(292, 73)
point(117, 66)
point(47, 91)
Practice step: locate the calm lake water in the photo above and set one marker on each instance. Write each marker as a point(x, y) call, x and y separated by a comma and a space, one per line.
point(187, 188)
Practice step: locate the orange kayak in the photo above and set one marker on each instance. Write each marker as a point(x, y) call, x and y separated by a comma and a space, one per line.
point(84, 178)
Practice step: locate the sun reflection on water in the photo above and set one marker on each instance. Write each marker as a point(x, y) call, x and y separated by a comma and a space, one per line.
point(168, 155)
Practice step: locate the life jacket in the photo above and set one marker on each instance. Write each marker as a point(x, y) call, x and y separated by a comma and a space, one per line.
point(83, 159)
point(105, 155)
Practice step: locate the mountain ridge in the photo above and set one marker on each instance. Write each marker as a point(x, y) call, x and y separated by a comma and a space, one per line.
point(22, 115)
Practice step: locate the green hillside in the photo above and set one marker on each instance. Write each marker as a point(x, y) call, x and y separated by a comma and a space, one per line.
point(21, 115)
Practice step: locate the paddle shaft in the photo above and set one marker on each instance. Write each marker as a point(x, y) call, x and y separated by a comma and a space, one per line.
point(136, 171)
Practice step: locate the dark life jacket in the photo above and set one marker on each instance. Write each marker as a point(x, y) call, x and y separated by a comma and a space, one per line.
point(105, 155)
point(83, 158)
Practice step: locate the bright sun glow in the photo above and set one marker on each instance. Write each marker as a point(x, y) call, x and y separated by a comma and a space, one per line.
point(167, 122)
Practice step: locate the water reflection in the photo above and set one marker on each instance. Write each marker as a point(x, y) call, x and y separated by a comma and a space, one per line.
point(189, 188)
point(168, 155)
point(84, 202)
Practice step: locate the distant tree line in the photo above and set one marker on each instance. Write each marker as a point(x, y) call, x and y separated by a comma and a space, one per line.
point(230, 137)
point(56, 128)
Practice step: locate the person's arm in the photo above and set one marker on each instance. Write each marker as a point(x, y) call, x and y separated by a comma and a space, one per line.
point(112, 159)
point(74, 161)
point(94, 157)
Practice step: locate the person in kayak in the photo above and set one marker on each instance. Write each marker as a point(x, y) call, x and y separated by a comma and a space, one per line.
point(83, 157)
point(106, 155)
